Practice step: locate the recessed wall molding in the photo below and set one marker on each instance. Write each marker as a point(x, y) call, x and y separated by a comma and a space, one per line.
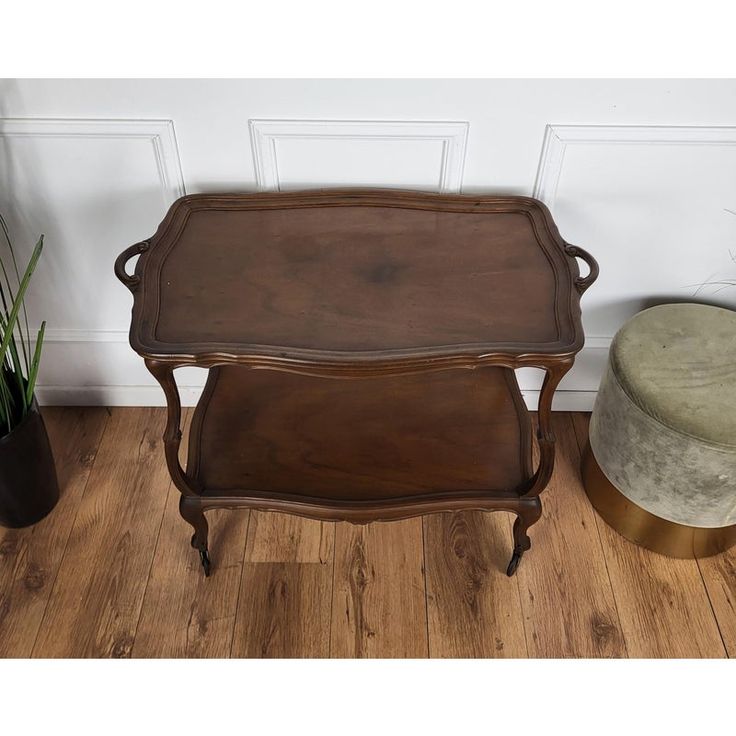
point(451, 135)
point(558, 138)
point(116, 157)
point(159, 132)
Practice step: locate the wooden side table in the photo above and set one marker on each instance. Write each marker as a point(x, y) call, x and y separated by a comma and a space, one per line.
point(360, 346)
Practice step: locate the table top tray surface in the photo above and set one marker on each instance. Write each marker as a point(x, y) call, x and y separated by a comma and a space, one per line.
point(353, 280)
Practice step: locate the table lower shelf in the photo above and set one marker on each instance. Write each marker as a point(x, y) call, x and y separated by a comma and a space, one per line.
point(380, 439)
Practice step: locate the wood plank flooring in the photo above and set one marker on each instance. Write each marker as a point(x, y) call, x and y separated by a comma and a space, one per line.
point(110, 572)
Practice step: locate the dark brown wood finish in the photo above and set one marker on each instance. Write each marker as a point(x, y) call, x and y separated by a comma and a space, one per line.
point(381, 438)
point(317, 280)
point(397, 294)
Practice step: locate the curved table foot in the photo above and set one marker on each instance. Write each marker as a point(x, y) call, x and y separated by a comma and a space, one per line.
point(190, 508)
point(515, 560)
point(528, 513)
point(204, 558)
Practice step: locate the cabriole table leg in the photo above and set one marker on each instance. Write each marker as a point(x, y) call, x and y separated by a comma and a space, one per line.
point(190, 505)
point(530, 507)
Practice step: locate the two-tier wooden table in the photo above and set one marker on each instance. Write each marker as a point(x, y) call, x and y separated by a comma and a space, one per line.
point(360, 346)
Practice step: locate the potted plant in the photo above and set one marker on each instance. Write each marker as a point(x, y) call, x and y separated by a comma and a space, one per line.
point(28, 484)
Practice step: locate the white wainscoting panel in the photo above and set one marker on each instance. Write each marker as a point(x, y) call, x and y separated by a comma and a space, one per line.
point(92, 187)
point(654, 205)
point(417, 154)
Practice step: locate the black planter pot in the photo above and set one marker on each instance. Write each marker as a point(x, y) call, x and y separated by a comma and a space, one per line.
point(28, 485)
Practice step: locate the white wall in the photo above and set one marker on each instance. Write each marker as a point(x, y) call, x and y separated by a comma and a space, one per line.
point(641, 173)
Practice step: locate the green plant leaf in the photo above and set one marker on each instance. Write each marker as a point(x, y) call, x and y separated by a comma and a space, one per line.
point(11, 372)
point(17, 372)
point(23, 339)
point(5, 409)
point(13, 316)
point(33, 373)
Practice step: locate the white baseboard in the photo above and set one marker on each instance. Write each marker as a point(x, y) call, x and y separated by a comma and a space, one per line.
point(563, 400)
point(112, 395)
point(154, 396)
point(99, 368)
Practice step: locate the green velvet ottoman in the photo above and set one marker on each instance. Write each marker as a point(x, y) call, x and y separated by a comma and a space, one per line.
point(660, 466)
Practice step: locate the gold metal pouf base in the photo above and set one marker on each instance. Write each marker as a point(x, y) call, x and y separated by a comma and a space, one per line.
point(646, 529)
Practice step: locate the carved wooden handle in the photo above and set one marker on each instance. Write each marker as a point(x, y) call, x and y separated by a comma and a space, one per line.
point(583, 282)
point(131, 281)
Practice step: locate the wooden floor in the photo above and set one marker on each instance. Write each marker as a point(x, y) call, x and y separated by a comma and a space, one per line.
point(110, 573)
